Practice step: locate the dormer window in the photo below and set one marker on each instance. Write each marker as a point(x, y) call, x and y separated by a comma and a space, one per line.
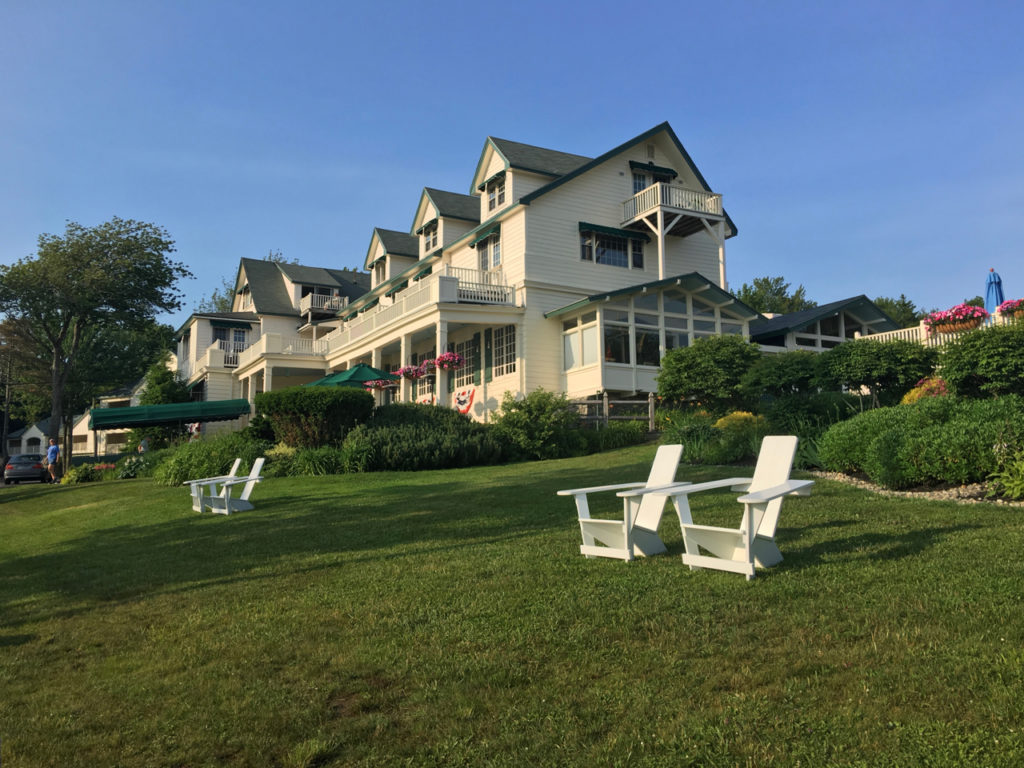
point(495, 193)
point(246, 297)
point(378, 272)
point(430, 237)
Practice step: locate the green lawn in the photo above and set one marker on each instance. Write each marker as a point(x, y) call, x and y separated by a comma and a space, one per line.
point(446, 618)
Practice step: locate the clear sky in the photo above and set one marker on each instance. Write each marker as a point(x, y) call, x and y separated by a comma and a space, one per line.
point(867, 147)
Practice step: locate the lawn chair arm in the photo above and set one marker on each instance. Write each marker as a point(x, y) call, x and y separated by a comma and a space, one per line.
point(657, 489)
point(685, 489)
point(598, 488)
point(788, 488)
point(242, 480)
point(208, 480)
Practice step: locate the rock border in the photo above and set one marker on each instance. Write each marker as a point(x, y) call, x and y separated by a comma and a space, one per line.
point(961, 494)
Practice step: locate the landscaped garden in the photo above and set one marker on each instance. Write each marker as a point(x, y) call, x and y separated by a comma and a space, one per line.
point(446, 618)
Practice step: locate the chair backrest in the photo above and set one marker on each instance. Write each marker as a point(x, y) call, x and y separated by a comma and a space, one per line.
point(254, 474)
point(234, 468)
point(774, 463)
point(663, 472)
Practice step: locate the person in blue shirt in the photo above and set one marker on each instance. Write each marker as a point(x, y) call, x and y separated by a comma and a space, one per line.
point(52, 455)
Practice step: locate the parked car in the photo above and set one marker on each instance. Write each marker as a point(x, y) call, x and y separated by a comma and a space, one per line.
point(26, 466)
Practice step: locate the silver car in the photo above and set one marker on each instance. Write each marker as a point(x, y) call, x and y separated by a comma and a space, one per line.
point(26, 466)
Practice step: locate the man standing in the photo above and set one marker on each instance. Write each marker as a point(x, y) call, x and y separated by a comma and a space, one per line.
point(52, 456)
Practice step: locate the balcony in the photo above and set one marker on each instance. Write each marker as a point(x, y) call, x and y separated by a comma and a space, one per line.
point(276, 344)
point(450, 286)
point(320, 303)
point(688, 205)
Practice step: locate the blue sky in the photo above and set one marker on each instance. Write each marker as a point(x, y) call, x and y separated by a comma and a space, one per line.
point(860, 148)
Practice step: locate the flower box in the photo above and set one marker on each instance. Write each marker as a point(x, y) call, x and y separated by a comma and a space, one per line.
point(962, 317)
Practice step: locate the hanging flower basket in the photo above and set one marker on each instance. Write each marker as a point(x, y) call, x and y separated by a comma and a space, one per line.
point(380, 384)
point(962, 317)
point(449, 361)
point(411, 372)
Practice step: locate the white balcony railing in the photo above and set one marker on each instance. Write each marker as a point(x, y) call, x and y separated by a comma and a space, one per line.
point(318, 302)
point(276, 344)
point(671, 196)
point(920, 335)
point(450, 285)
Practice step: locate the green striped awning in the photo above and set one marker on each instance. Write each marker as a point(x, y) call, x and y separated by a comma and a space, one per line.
point(494, 229)
point(629, 234)
point(169, 414)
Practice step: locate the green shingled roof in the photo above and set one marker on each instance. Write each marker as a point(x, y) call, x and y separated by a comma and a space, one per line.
point(454, 205)
point(537, 159)
point(399, 243)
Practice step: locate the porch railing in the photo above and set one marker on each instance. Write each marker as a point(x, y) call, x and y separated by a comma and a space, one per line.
point(671, 196)
point(919, 333)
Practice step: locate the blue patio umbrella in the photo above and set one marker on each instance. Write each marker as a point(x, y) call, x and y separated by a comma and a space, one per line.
point(993, 291)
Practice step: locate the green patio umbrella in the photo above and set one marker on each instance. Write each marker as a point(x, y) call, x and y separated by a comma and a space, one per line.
point(356, 376)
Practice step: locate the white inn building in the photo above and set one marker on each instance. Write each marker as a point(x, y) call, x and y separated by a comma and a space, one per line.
point(555, 271)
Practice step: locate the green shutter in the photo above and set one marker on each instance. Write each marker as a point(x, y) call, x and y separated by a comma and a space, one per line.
point(488, 355)
point(477, 359)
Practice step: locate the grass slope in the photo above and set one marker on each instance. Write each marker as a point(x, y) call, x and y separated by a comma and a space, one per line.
point(446, 618)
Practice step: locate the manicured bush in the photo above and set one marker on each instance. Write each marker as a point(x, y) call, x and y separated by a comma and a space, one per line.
point(933, 441)
point(312, 417)
point(932, 386)
point(542, 425)
point(412, 447)
point(708, 374)
point(209, 458)
point(986, 363)
point(808, 416)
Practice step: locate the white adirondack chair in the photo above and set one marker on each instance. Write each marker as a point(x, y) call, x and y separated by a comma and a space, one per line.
point(207, 486)
point(224, 504)
point(742, 549)
point(636, 534)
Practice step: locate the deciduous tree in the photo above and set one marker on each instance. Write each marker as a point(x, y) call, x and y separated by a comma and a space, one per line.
point(771, 294)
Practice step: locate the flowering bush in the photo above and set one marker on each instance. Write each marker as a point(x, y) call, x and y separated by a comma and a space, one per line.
point(449, 361)
point(958, 314)
point(1010, 306)
point(411, 371)
point(927, 387)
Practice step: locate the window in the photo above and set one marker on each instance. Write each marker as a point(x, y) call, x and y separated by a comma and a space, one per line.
point(424, 385)
point(246, 297)
point(639, 182)
point(579, 341)
point(378, 272)
point(489, 253)
point(611, 250)
point(495, 193)
point(646, 335)
point(430, 237)
point(464, 375)
point(616, 334)
point(504, 354)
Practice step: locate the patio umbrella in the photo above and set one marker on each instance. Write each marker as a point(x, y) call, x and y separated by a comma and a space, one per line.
point(993, 291)
point(355, 376)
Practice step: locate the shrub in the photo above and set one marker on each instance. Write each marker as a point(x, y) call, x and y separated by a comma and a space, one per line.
point(618, 434)
point(986, 363)
point(312, 417)
point(808, 416)
point(1008, 480)
point(208, 458)
point(84, 473)
point(930, 387)
point(709, 373)
point(409, 436)
point(932, 441)
point(542, 425)
point(318, 461)
point(887, 369)
point(780, 375)
point(280, 461)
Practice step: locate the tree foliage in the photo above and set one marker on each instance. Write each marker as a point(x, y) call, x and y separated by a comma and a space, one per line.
point(771, 294)
point(87, 281)
point(708, 374)
point(221, 300)
point(889, 369)
point(902, 310)
point(785, 373)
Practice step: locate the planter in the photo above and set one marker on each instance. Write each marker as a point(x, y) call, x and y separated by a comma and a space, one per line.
point(958, 326)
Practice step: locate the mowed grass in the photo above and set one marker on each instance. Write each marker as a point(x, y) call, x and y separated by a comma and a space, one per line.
point(447, 618)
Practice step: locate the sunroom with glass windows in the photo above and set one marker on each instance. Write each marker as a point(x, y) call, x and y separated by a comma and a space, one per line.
point(615, 341)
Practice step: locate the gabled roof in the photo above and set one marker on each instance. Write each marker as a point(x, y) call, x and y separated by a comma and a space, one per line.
point(453, 205)
point(583, 168)
point(399, 243)
point(525, 157)
point(692, 281)
point(270, 296)
point(861, 306)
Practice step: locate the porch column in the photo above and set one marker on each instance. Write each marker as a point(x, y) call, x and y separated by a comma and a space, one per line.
point(441, 375)
point(266, 379)
point(661, 243)
point(405, 385)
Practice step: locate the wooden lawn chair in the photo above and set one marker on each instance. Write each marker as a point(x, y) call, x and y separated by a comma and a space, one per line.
point(636, 534)
point(207, 486)
point(224, 504)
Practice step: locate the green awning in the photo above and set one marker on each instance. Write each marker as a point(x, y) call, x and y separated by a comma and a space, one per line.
point(657, 170)
point(494, 229)
point(629, 234)
point(230, 324)
point(169, 414)
point(480, 187)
